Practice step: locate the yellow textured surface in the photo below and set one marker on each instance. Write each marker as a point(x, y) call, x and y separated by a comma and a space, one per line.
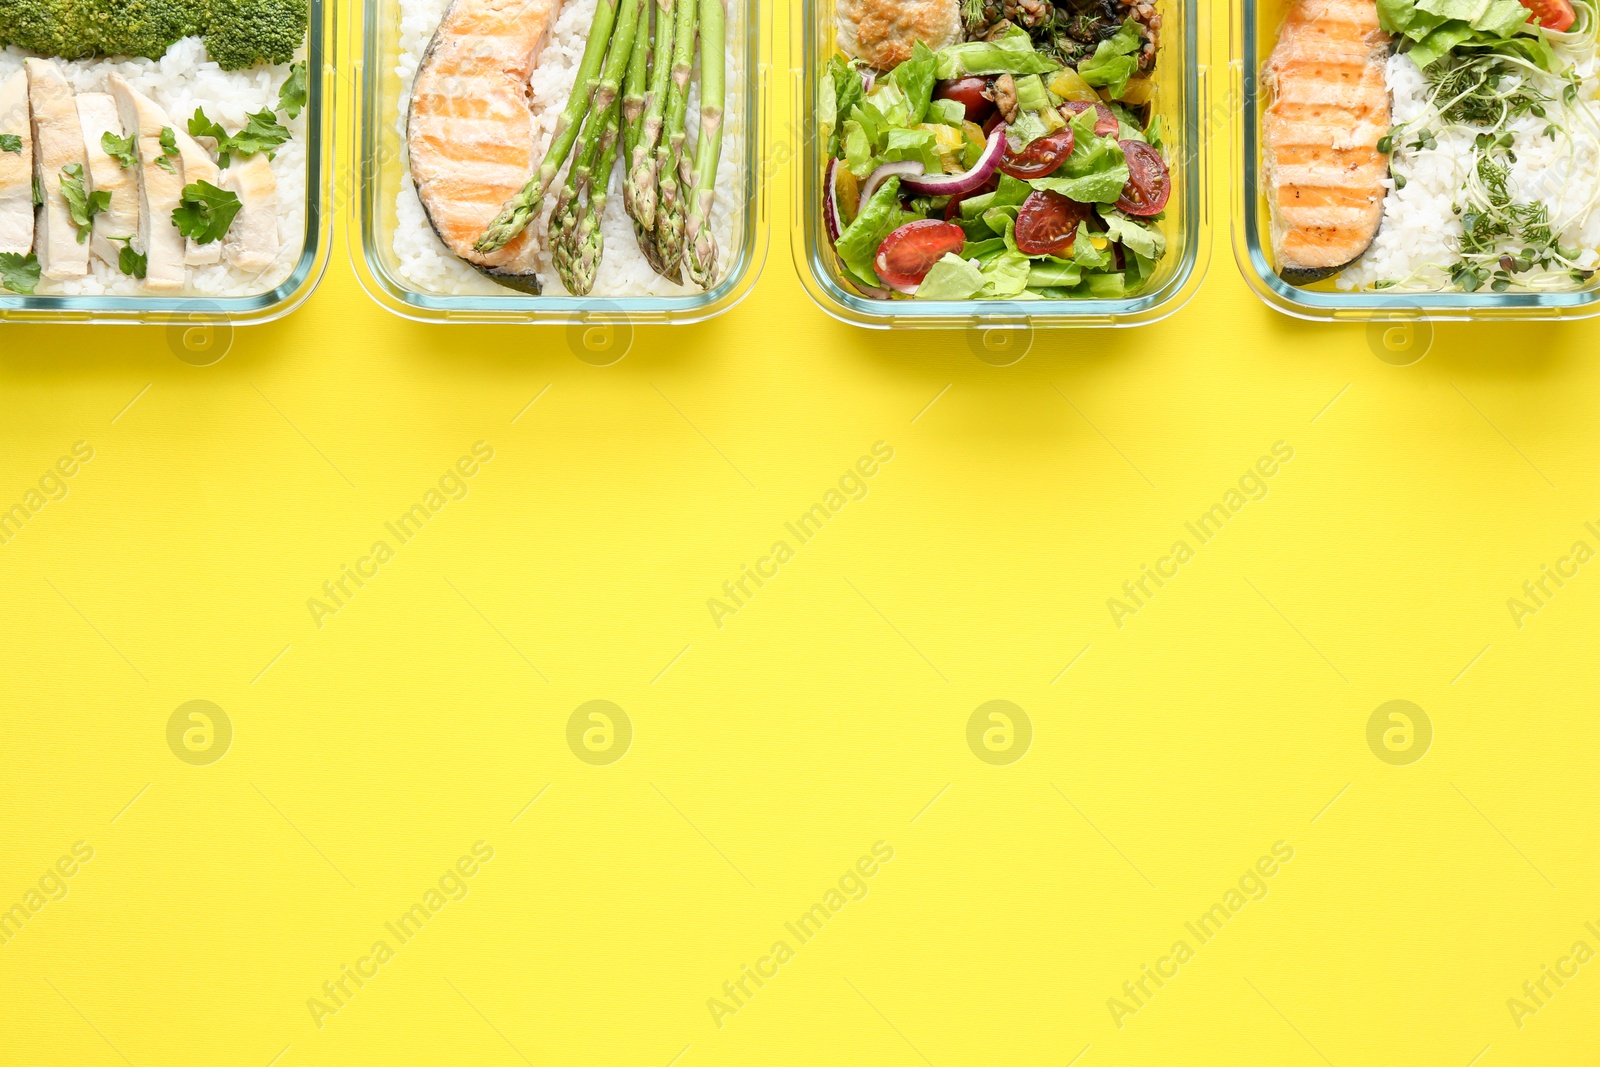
point(1227, 717)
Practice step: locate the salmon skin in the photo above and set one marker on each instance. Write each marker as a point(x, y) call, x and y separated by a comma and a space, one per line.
point(1324, 174)
point(469, 129)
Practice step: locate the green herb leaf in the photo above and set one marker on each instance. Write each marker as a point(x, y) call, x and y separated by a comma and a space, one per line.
point(292, 93)
point(262, 133)
point(169, 150)
point(134, 264)
point(19, 273)
point(202, 126)
point(205, 212)
point(11, 142)
point(124, 150)
point(82, 205)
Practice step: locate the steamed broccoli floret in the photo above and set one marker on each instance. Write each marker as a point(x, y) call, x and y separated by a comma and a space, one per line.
point(50, 27)
point(243, 32)
point(238, 33)
point(145, 27)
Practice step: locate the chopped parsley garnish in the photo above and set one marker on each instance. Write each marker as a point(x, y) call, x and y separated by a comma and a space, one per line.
point(82, 205)
point(292, 93)
point(11, 142)
point(169, 150)
point(134, 264)
point(205, 212)
point(19, 273)
point(261, 134)
point(122, 149)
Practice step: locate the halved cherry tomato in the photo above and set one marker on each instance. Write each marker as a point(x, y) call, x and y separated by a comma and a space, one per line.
point(1041, 156)
point(1552, 14)
point(1149, 181)
point(971, 93)
point(1105, 122)
point(906, 255)
point(1047, 223)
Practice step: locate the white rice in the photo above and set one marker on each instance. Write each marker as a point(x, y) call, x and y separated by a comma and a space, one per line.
point(181, 81)
point(1420, 231)
point(426, 263)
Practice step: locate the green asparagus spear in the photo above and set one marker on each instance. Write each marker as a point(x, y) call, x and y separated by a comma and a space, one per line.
point(524, 207)
point(641, 164)
point(634, 92)
point(589, 242)
point(599, 139)
point(700, 244)
point(564, 216)
point(669, 209)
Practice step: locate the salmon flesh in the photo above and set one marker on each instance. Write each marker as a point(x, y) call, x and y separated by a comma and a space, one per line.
point(1323, 171)
point(469, 131)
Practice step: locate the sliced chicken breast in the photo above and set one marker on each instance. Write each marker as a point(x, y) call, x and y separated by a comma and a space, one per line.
point(97, 114)
point(252, 241)
point(159, 187)
point(198, 167)
point(57, 143)
point(1320, 153)
point(16, 168)
point(470, 128)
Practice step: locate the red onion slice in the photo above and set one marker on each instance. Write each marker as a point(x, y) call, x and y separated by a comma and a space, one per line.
point(965, 182)
point(830, 200)
point(904, 170)
point(872, 291)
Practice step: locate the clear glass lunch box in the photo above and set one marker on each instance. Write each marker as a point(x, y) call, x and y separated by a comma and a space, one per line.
point(1180, 100)
point(379, 178)
point(203, 310)
point(1255, 25)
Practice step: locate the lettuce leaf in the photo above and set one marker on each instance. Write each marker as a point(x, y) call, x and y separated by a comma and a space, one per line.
point(914, 77)
point(1011, 54)
point(952, 278)
point(1438, 27)
point(1135, 237)
point(913, 144)
point(859, 242)
point(1053, 273)
point(1005, 276)
point(1115, 59)
point(1096, 170)
point(947, 113)
point(858, 150)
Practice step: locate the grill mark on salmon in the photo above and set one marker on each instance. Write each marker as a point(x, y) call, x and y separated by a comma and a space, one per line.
point(1329, 107)
point(469, 129)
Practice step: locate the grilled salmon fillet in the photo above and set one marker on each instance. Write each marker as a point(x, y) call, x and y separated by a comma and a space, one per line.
point(1324, 173)
point(470, 127)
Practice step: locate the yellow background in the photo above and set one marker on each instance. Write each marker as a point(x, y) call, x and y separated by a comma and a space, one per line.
point(828, 714)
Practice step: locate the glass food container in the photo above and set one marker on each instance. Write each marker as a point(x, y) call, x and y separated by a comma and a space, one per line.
point(1180, 100)
point(1255, 26)
point(379, 185)
point(198, 310)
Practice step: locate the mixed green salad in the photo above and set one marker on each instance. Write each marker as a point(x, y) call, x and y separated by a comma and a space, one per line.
point(987, 170)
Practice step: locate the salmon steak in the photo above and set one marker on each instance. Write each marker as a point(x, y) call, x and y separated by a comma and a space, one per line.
point(1323, 173)
point(470, 128)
